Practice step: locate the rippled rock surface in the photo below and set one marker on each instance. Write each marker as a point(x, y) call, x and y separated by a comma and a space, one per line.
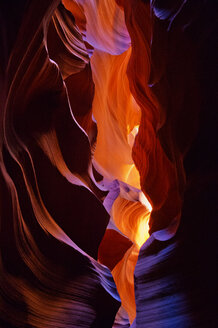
point(108, 163)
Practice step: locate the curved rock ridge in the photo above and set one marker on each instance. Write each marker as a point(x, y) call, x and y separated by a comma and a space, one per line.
point(65, 43)
point(49, 239)
point(174, 277)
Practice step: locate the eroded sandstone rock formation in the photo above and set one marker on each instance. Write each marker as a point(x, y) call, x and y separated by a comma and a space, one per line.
point(108, 163)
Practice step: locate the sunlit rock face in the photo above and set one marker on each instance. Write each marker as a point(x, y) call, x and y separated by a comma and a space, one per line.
point(108, 163)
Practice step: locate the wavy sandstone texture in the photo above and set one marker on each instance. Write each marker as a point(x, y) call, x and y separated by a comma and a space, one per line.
point(108, 163)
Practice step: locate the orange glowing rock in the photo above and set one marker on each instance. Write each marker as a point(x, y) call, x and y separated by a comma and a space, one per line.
point(107, 163)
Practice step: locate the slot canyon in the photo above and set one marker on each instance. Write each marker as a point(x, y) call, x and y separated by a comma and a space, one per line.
point(108, 163)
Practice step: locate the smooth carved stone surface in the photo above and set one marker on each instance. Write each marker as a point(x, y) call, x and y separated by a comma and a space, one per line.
point(108, 163)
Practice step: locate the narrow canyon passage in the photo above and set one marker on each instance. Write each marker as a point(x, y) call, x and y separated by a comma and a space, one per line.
point(108, 163)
